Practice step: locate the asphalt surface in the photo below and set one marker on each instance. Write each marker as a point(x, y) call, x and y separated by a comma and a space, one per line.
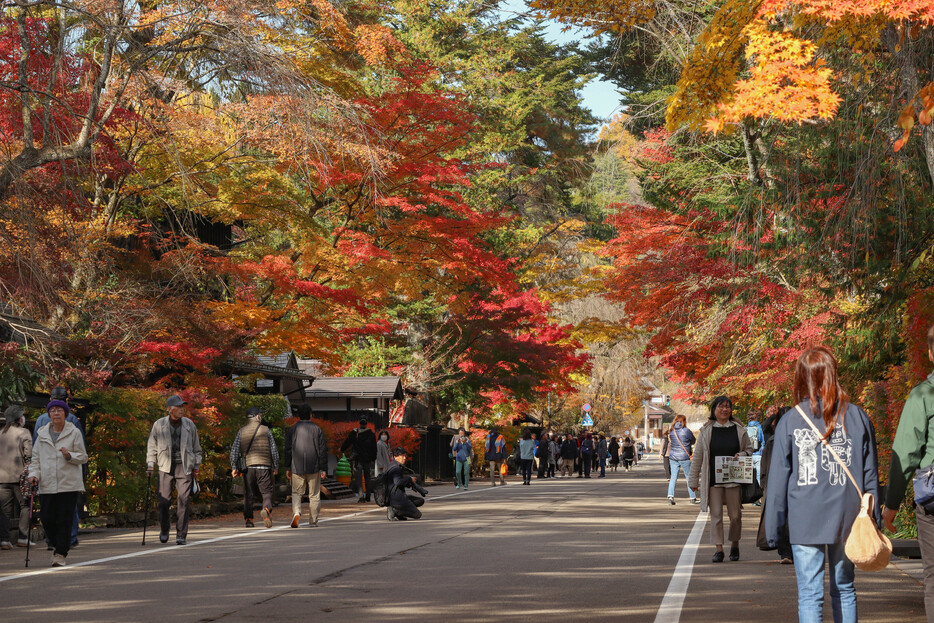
point(558, 550)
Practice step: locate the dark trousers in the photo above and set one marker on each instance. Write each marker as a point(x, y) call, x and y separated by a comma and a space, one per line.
point(602, 467)
point(58, 509)
point(926, 541)
point(410, 509)
point(551, 469)
point(542, 468)
point(525, 467)
point(587, 461)
point(256, 480)
point(183, 488)
point(364, 471)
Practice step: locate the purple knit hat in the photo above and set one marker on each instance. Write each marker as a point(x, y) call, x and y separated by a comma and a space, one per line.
point(58, 403)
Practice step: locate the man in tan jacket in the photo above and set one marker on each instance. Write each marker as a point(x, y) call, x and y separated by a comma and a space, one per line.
point(174, 448)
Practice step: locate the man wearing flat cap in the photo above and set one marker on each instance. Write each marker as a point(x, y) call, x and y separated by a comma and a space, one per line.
point(174, 449)
point(254, 454)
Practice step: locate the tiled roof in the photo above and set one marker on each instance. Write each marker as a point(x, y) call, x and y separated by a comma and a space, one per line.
point(356, 387)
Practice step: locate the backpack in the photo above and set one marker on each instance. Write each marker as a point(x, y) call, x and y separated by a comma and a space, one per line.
point(381, 490)
point(753, 432)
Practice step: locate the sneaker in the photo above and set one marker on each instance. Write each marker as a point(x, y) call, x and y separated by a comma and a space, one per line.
point(248, 523)
point(786, 561)
point(695, 501)
point(734, 554)
point(24, 543)
point(361, 500)
point(164, 537)
point(391, 514)
point(313, 524)
point(6, 545)
point(671, 500)
point(295, 520)
point(457, 486)
point(58, 560)
point(181, 541)
point(74, 544)
point(265, 515)
point(718, 557)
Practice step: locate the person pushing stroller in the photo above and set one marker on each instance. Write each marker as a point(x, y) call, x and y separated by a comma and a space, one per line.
point(402, 506)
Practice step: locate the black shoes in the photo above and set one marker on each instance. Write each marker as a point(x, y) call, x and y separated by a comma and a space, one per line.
point(248, 523)
point(718, 556)
point(164, 537)
point(734, 554)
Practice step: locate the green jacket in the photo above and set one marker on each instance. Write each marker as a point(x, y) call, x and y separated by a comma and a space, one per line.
point(911, 450)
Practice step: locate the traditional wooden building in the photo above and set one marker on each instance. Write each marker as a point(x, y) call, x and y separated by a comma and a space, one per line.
point(346, 398)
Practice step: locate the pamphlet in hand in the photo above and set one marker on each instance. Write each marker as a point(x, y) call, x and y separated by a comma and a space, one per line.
point(727, 470)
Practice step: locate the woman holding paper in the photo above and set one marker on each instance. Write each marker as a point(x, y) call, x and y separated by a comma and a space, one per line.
point(722, 438)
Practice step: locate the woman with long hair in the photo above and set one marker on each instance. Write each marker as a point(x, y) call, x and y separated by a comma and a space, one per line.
point(722, 436)
point(811, 491)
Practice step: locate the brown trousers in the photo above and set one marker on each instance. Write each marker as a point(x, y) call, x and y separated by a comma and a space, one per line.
point(716, 498)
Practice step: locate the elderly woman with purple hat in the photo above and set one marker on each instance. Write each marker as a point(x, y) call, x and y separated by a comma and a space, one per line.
point(57, 457)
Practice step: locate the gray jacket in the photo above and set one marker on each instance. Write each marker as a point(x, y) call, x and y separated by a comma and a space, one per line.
point(699, 477)
point(159, 446)
point(306, 450)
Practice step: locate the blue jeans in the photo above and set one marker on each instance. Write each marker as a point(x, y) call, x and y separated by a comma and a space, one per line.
point(684, 466)
point(462, 472)
point(603, 467)
point(809, 570)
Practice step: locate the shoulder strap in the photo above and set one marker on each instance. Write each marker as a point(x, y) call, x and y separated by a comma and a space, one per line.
point(678, 437)
point(832, 452)
point(247, 451)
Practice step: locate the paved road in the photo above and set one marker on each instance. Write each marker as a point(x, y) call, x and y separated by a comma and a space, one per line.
point(569, 550)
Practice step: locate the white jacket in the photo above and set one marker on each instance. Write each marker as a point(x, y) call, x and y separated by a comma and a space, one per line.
point(55, 474)
point(159, 447)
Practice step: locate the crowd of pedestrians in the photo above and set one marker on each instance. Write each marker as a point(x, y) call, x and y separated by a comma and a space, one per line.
point(814, 461)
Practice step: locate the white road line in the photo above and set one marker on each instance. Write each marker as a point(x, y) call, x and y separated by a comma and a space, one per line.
point(670, 610)
point(166, 549)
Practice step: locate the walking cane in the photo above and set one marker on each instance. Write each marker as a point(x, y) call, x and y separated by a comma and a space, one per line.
point(146, 506)
point(32, 497)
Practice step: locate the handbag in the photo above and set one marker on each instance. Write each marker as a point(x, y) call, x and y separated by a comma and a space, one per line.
point(866, 546)
point(923, 484)
point(750, 492)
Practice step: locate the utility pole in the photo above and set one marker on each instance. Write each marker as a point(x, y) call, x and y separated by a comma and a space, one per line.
point(645, 430)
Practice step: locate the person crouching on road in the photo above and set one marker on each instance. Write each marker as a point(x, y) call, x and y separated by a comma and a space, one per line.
point(722, 435)
point(401, 505)
point(56, 464)
point(174, 449)
point(255, 443)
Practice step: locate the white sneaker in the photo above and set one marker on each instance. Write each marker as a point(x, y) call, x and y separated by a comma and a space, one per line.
point(6, 545)
point(24, 543)
point(58, 560)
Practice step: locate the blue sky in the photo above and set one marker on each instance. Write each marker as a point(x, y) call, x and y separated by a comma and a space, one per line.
point(601, 97)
